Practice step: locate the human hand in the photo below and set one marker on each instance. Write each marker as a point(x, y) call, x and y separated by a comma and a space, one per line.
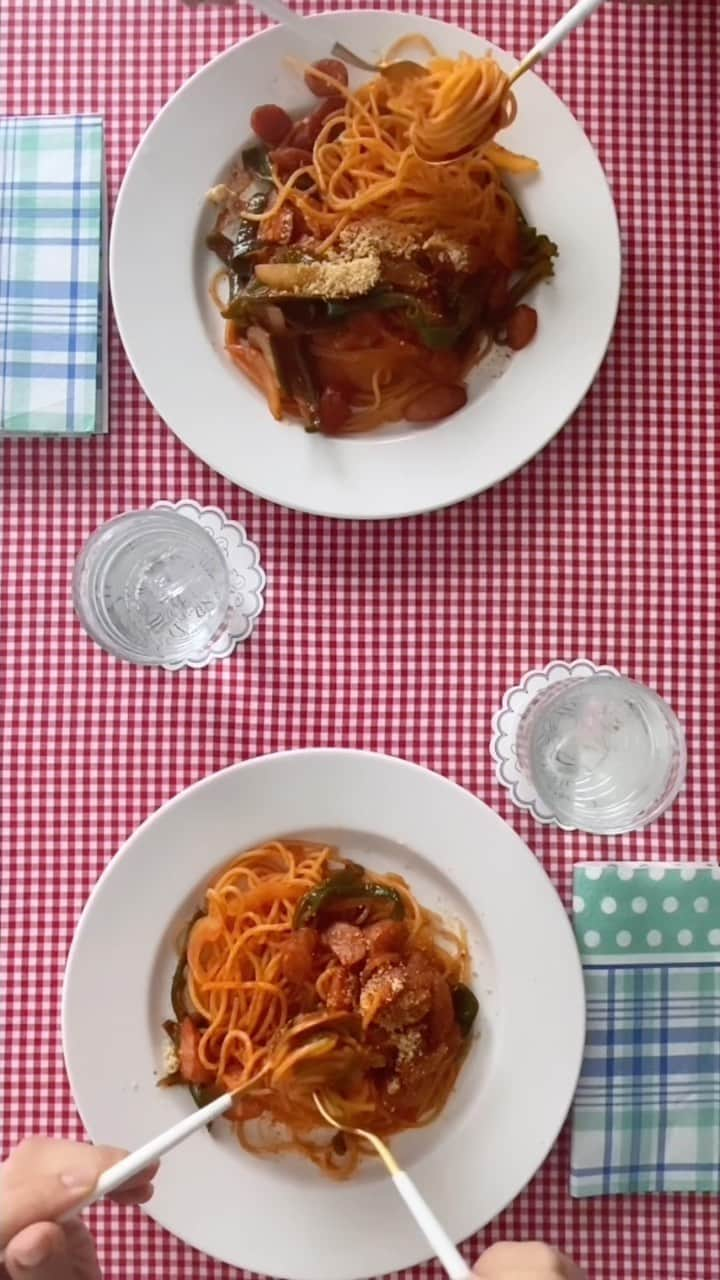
point(41, 1181)
point(533, 1261)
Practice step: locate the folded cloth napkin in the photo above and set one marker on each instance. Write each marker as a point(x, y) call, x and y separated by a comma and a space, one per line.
point(647, 1109)
point(52, 276)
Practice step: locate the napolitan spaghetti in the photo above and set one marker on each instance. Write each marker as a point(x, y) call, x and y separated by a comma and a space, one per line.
point(303, 972)
point(372, 253)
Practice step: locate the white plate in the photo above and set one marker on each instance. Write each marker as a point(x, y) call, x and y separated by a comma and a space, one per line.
point(280, 1215)
point(172, 333)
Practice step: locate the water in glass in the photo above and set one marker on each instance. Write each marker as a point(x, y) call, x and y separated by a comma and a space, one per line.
point(604, 753)
point(152, 587)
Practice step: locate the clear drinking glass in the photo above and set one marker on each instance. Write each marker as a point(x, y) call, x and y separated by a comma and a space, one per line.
point(605, 754)
point(152, 587)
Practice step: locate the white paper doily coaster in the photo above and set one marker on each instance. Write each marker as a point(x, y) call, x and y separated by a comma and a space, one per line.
point(505, 724)
point(247, 577)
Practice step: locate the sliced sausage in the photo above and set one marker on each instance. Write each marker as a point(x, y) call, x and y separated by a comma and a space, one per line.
point(413, 1001)
point(384, 986)
point(347, 943)
point(386, 937)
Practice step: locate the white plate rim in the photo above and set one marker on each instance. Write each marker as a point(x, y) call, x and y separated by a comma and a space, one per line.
point(399, 477)
point(558, 1053)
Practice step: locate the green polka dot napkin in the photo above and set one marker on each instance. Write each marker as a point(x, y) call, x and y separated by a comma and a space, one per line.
point(647, 1109)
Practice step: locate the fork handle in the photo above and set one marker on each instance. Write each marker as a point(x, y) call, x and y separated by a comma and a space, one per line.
point(434, 1232)
point(569, 21)
point(131, 1164)
point(279, 12)
point(151, 1151)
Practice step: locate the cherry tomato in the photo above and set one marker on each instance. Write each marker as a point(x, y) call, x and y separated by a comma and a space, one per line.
point(303, 136)
point(318, 85)
point(326, 108)
point(287, 159)
point(271, 124)
point(521, 327)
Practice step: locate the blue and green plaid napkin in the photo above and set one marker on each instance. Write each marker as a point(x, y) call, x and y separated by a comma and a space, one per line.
point(647, 1109)
point(52, 276)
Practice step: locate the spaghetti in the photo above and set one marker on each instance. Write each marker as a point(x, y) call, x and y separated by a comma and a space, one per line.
point(380, 253)
point(303, 973)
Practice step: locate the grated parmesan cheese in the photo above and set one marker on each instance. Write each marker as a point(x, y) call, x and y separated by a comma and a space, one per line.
point(219, 194)
point(409, 1046)
point(337, 279)
point(171, 1060)
point(379, 235)
point(450, 251)
point(386, 983)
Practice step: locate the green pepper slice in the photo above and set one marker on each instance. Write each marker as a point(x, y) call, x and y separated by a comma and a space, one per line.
point(256, 161)
point(296, 377)
point(466, 1008)
point(348, 883)
point(177, 990)
point(204, 1093)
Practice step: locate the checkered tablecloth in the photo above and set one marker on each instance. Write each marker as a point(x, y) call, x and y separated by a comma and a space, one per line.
point(396, 636)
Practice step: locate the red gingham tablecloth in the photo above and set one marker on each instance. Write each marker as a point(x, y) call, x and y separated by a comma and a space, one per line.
point(396, 636)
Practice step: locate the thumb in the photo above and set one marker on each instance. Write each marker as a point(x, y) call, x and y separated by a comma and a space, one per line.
point(45, 1178)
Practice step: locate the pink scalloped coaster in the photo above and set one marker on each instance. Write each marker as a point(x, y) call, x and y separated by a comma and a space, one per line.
point(505, 725)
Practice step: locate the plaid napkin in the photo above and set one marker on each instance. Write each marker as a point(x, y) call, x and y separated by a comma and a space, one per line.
point(647, 1109)
point(52, 276)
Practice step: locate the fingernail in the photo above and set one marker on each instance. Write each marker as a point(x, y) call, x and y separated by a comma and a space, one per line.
point(31, 1255)
point(76, 1182)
